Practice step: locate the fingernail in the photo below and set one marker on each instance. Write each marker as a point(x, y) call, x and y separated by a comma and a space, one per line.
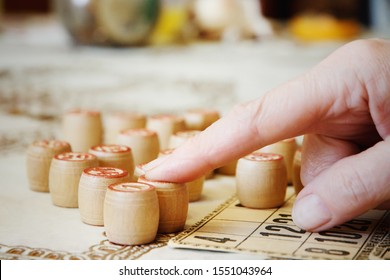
point(139, 171)
point(152, 170)
point(310, 212)
point(153, 164)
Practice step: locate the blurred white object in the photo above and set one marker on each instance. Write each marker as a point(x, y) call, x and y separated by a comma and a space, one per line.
point(231, 19)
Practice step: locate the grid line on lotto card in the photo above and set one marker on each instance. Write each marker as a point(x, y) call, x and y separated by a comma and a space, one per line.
point(332, 248)
point(235, 212)
point(230, 220)
point(195, 227)
point(339, 247)
point(301, 245)
point(265, 213)
point(378, 231)
point(280, 226)
point(227, 233)
point(275, 239)
point(223, 229)
point(269, 232)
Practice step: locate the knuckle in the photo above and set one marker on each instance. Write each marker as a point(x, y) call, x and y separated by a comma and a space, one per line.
point(369, 52)
point(356, 188)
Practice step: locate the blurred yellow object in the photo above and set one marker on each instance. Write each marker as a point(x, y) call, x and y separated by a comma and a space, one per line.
point(323, 27)
point(170, 25)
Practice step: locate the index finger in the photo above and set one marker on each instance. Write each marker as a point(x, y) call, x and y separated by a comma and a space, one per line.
point(287, 111)
point(246, 128)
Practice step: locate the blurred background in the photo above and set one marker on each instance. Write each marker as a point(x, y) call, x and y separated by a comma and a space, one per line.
point(166, 55)
point(177, 20)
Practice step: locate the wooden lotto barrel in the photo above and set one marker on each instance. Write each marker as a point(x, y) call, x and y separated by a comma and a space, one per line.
point(143, 142)
point(131, 213)
point(64, 177)
point(228, 169)
point(200, 119)
point(115, 122)
point(92, 191)
point(112, 155)
point(286, 148)
point(195, 187)
point(82, 129)
point(173, 204)
point(261, 180)
point(179, 138)
point(39, 157)
point(165, 125)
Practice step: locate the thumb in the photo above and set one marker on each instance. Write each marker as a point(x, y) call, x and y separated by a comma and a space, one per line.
point(348, 188)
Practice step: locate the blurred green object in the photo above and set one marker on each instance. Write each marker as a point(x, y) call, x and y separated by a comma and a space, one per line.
point(109, 22)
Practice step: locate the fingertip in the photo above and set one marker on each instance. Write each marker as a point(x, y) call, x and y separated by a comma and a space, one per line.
point(155, 163)
point(172, 168)
point(311, 213)
point(151, 170)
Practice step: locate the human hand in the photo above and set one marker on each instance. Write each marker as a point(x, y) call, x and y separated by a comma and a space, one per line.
point(342, 106)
